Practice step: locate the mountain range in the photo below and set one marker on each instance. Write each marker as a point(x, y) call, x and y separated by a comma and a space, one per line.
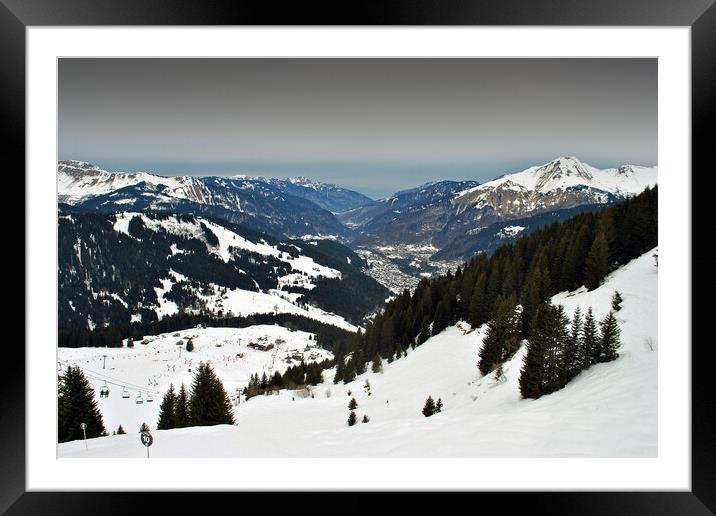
point(450, 220)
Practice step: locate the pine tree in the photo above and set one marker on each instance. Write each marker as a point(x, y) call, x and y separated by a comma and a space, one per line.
point(209, 403)
point(167, 417)
point(617, 301)
point(264, 382)
point(359, 361)
point(610, 344)
point(597, 264)
point(353, 404)
point(439, 405)
point(352, 418)
point(563, 357)
point(120, 430)
point(144, 428)
point(340, 369)
point(477, 308)
point(377, 365)
point(181, 409)
point(440, 322)
point(365, 418)
point(76, 405)
point(190, 345)
point(541, 370)
point(349, 373)
point(502, 337)
point(590, 340)
point(424, 330)
point(314, 374)
point(429, 407)
point(574, 353)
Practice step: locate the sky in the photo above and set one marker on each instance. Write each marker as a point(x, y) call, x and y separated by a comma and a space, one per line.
point(373, 125)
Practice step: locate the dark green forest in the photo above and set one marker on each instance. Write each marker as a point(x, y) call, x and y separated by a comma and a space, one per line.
point(560, 257)
point(327, 335)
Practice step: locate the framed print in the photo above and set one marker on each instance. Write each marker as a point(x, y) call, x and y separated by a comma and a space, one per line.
point(440, 249)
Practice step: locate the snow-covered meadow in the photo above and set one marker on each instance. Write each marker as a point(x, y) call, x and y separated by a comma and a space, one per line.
point(609, 410)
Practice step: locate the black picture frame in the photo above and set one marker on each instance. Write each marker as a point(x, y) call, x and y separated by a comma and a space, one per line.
point(700, 15)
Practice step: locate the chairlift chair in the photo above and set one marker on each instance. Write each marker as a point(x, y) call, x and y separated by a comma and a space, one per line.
point(125, 392)
point(149, 398)
point(139, 400)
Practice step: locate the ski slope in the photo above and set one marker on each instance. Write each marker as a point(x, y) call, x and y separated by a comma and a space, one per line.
point(609, 410)
point(146, 370)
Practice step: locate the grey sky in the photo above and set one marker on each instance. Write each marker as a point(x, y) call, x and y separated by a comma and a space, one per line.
point(374, 125)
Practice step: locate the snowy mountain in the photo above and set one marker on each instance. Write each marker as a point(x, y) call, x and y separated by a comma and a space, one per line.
point(564, 182)
point(283, 208)
point(78, 181)
point(465, 223)
point(138, 267)
point(609, 410)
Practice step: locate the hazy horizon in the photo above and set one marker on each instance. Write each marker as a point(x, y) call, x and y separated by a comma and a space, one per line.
point(375, 126)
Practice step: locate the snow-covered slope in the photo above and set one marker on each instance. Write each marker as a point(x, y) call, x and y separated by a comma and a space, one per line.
point(146, 370)
point(610, 410)
point(110, 273)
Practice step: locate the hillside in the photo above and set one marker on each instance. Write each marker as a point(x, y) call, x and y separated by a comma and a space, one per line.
point(610, 410)
point(138, 267)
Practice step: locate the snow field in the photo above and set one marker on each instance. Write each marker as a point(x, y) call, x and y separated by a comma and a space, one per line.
point(609, 410)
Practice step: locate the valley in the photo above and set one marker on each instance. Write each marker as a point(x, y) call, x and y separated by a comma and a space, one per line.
point(326, 324)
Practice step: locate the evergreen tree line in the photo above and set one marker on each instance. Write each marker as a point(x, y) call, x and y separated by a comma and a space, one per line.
point(328, 336)
point(206, 404)
point(295, 377)
point(559, 349)
point(559, 257)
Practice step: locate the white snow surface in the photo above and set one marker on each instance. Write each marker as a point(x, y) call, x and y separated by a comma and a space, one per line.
point(150, 368)
point(609, 410)
point(510, 231)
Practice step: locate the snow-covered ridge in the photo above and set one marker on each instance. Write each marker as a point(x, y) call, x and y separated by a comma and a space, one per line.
point(569, 172)
point(609, 410)
point(79, 180)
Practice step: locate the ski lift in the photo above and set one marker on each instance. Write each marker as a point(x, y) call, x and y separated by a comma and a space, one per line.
point(149, 398)
point(104, 391)
point(125, 392)
point(139, 400)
